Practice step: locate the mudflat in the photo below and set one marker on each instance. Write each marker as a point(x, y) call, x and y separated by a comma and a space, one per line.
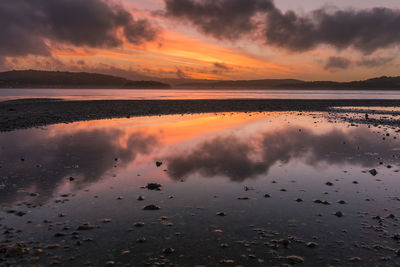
point(26, 113)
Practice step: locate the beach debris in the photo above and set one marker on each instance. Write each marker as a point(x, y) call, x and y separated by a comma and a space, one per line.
point(158, 163)
point(342, 202)
point(140, 198)
point(242, 198)
point(299, 200)
point(220, 213)
point(329, 183)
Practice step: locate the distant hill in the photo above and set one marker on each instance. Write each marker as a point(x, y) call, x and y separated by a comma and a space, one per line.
point(84, 80)
point(57, 79)
point(384, 83)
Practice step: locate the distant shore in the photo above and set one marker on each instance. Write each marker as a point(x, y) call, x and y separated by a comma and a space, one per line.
point(27, 113)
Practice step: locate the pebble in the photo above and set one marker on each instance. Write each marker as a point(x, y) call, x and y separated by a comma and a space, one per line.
point(311, 244)
point(294, 259)
point(373, 172)
point(86, 226)
point(153, 186)
point(151, 207)
point(354, 259)
point(139, 224)
point(168, 250)
point(141, 239)
point(338, 214)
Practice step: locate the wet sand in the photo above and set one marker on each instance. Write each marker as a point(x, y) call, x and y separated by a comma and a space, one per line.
point(26, 113)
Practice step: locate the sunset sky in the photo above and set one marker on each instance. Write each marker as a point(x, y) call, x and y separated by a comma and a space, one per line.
point(204, 39)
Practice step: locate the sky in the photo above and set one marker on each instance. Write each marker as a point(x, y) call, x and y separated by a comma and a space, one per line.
point(204, 39)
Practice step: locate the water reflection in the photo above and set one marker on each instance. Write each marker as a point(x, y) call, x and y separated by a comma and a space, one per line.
point(212, 151)
point(245, 158)
point(40, 162)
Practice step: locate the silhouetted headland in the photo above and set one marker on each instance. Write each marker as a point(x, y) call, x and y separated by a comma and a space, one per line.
point(66, 80)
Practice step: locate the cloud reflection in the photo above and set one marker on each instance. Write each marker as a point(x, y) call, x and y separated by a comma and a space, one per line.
point(244, 158)
point(47, 161)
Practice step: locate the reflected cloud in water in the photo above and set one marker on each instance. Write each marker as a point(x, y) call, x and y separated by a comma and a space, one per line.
point(246, 158)
point(41, 162)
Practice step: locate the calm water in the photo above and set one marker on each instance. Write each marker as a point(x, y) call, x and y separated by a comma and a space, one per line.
point(81, 94)
point(211, 163)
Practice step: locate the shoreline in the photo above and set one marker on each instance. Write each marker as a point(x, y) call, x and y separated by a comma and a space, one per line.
point(28, 113)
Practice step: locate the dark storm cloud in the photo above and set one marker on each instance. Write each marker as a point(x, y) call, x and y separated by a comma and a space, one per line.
point(222, 19)
point(366, 30)
point(26, 25)
point(334, 63)
point(374, 62)
point(238, 159)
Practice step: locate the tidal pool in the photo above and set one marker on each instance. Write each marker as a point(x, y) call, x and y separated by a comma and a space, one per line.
point(250, 189)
